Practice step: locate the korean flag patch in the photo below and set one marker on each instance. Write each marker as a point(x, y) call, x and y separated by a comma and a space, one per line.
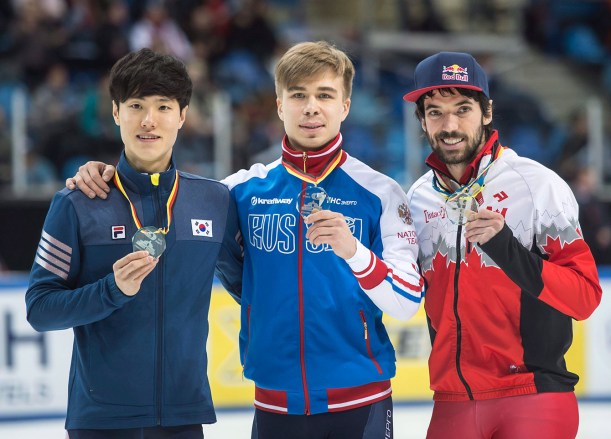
point(201, 227)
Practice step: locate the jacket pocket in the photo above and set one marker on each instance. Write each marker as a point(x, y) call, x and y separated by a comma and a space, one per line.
point(247, 343)
point(119, 375)
point(368, 343)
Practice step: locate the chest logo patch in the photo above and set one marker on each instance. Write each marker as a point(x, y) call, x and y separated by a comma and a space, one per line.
point(201, 227)
point(118, 232)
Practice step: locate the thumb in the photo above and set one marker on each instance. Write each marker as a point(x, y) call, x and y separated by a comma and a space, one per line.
point(109, 171)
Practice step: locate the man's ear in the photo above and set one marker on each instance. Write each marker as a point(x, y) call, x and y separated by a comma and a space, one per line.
point(279, 109)
point(183, 116)
point(115, 113)
point(487, 118)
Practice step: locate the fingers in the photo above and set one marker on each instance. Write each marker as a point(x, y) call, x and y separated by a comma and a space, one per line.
point(331, 228)
point(483, 225)
point(109, 171)
point(130, 270)
point(321, 215)
point(71, 183)
point(91, 179)
point(140, 255)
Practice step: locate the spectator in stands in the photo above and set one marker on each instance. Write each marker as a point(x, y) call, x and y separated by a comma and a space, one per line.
point(100, 134)
point(195, 147)
point(36, 38)
point(594, 215)
point(571, 158)
point(112, 36)
point(158, 31)
point(5, 149)
point(53, 116)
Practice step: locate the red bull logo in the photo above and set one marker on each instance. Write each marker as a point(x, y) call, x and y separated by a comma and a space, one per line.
point(454, 73)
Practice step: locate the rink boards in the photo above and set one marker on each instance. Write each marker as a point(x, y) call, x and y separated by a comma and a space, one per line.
point(34, 366)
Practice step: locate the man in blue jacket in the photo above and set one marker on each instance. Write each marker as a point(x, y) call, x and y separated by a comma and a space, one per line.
point(329, 245)
point(132, 275)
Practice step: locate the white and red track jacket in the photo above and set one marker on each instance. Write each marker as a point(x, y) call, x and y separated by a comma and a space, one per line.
point(500, 315)
point(312, 337)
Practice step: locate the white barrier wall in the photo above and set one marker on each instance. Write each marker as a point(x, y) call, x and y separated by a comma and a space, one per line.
point(34, 366)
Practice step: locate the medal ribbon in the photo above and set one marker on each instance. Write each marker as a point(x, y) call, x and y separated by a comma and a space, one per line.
point(169, 204)
point(477, 182)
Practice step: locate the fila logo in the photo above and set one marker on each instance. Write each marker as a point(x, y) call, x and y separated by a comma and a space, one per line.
point(201, 227)
point(118, 232)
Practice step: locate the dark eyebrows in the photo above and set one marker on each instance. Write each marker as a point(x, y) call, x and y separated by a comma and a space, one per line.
point(466, 101)
point(160, 99)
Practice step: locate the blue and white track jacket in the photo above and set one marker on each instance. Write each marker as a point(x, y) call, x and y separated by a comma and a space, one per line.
point(137, 361)
point(312, 337)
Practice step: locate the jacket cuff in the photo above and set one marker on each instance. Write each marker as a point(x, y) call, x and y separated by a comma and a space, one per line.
point(369, 270)
point(115, 293)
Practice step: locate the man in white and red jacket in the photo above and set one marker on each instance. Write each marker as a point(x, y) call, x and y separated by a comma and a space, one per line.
point(505, 266)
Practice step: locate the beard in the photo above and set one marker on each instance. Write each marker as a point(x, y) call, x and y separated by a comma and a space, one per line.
point(464, 156)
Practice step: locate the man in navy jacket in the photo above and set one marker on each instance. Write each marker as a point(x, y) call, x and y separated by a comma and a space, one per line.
point(139, 317)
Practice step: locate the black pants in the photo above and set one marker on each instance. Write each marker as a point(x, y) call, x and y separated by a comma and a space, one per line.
point(369, 422)
point(182, 432)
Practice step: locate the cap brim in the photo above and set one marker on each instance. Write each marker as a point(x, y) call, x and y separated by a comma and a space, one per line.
point(415, 95)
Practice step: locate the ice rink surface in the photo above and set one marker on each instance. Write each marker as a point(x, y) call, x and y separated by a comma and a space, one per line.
point(411, 421)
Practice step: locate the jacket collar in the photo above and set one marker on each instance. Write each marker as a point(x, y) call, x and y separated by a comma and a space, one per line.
point(315, 165)
point(141, 183)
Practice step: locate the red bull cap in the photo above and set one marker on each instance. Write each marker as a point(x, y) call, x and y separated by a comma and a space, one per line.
point(448, 69)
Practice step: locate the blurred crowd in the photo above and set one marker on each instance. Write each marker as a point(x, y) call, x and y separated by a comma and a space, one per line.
point(60, 51)
point(578, 30)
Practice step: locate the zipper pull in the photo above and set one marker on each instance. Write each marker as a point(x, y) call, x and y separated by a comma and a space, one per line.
point(305, 157)
point(365, 326)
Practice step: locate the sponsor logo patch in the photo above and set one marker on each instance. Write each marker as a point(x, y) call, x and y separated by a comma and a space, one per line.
point(118, 232)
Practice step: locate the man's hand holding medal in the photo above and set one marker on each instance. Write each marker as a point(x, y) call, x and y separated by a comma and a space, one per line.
point(325, 226)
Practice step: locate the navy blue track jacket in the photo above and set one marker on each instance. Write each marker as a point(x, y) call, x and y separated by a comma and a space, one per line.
point(137, 361)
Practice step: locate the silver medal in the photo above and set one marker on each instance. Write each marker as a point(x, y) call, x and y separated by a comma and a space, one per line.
point(150, 239)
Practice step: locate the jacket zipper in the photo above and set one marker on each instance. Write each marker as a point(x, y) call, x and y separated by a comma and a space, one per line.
point(368, 344)
point(457, 317)
point(159, 324)
point(304, 380)
point(305, 159)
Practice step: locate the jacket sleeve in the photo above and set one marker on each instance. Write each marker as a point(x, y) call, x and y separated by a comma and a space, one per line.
point(54, 300)
point(392, 280)
point(231, 257)
point(559, 269)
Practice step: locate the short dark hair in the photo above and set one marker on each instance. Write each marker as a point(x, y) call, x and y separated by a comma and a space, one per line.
point(484, 103)
point(147, 73)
